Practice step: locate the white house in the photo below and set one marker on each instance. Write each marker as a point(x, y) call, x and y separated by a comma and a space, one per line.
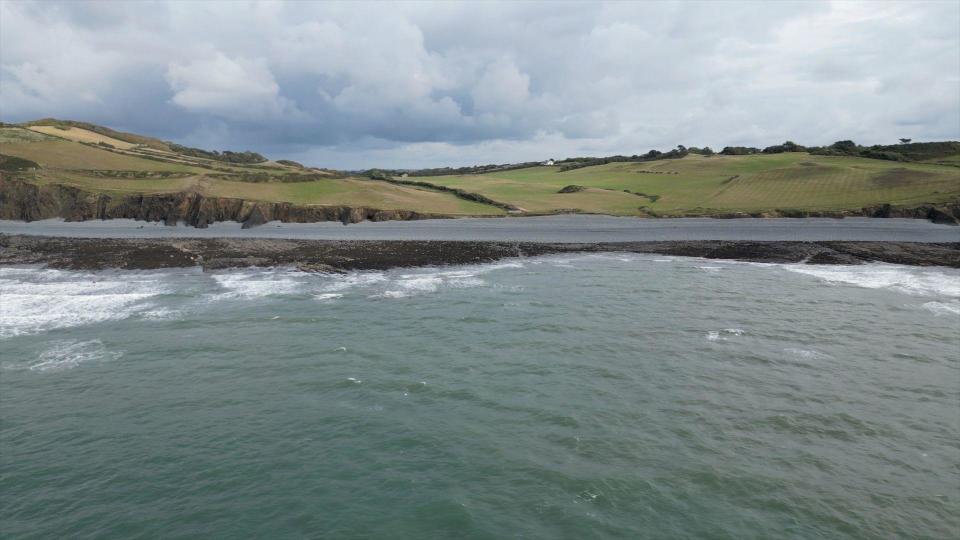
point(548, 162)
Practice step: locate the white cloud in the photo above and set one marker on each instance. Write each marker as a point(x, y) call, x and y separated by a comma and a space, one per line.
point(501, 88)
point(232, 88)
point(468, 83)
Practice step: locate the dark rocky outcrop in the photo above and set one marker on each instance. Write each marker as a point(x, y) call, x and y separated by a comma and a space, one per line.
point(943, 213)
point(332, 256)
point(947, 213)
point(254, 219)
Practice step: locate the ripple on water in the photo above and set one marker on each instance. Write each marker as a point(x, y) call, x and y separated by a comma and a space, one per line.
point(64, 355)
point(596, 400)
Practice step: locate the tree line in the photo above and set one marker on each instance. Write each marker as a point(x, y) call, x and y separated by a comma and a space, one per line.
point(226, 156)
point(905, 151)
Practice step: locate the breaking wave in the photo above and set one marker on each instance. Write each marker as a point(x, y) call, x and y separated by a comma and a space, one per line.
point(913, 281)
point(256, 284)
point(943, 308)
point(36, 300)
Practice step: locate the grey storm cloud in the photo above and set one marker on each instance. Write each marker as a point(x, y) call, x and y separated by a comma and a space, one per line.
point(424, 84)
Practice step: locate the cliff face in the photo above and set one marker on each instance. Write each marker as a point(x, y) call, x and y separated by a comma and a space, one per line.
point(24, 201)
point(29, 202)
point(946, 213)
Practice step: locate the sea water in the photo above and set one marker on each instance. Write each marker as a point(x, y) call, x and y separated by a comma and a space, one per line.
point(575, 396)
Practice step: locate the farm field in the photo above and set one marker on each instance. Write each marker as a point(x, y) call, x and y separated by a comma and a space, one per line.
point(141, 170)
point(700, 185)
point(694, 185)
point(81, 135)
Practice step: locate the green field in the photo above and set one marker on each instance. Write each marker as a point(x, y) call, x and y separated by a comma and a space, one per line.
point(693, 185)
point(697, 184)
point(146, 170)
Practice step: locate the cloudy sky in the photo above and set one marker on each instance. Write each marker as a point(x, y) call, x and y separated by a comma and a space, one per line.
point(428, 84)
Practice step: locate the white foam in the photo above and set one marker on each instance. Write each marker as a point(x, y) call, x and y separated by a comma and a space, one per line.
point(805, 354)
point(453, 274)
point(715, 335)
point(162, 314)
point(350, 281)
point(466, 282)
point(462, 278)
point(413, 284)
point(258, 283)
point(499, 266)
point(913, 281)
point(65, 355)
point(278, 282)
point(406, 285)
point(34, 300)
point(428, 283)
point(943, 308)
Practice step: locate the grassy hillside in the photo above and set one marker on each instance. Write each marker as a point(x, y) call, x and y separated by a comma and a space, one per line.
point(79, 157)
point(82, 135)
point(131, 138)
point(101, 160)
point(698, 184)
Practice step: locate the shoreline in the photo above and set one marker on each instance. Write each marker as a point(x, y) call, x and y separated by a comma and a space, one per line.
point(345, 255)
point(570, 228)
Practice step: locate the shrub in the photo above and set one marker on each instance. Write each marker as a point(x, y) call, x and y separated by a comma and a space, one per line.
point(13, 163)
point(883, 154)
point(225, 156)
point(788, 146)
point(290, 163)
point(739, 150)
point(844, 147)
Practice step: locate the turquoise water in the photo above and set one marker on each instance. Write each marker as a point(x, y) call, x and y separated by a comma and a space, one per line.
point(593, 396)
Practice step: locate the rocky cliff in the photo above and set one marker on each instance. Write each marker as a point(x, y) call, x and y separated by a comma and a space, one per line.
point(25, 201)
point(944, 213)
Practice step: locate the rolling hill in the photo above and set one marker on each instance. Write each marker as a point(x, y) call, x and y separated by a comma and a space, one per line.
point(79, 173)
point(75, 170)
point(794, 182)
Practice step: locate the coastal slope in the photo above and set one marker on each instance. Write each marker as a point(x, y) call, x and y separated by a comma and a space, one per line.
point(79, 171)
